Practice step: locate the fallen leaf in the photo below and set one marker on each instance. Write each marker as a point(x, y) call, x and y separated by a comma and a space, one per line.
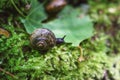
point(74, 27)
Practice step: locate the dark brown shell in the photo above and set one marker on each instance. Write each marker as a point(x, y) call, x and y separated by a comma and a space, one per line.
point(43, 39)
point(56, 5)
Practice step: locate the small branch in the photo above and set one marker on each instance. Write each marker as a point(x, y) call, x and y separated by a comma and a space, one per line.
point(6, 72)
point(81, 58)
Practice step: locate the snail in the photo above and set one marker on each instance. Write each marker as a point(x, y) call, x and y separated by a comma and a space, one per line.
point(55, 5)
point(44, 39)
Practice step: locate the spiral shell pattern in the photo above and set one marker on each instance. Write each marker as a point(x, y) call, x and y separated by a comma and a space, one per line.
point(43, 39)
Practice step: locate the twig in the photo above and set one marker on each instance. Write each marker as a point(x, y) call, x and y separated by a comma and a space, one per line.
point(6, 72)
point(81, 58)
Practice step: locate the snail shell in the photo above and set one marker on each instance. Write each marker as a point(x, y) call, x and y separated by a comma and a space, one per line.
point(56, 5)
point(43, 39)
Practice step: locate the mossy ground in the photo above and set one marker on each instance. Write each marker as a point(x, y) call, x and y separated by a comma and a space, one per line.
point(101, 55)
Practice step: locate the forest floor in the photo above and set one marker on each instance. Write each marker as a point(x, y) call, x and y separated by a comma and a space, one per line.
point(92, 44)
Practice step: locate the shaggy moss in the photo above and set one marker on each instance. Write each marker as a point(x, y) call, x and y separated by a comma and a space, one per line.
point(60, 63)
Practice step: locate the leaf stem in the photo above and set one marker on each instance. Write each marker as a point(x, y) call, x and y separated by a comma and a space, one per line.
point(18, 10)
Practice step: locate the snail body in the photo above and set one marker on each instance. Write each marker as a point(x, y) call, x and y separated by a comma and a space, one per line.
point(44, 39)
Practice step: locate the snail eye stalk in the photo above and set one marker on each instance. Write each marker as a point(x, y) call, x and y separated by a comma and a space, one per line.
point(64, 37)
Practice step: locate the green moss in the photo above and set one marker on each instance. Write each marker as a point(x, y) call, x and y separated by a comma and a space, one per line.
point(101, 54)
point(59, 63)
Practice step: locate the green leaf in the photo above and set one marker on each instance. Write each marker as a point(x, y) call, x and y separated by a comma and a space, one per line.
point(35, 16)
point(75, 28)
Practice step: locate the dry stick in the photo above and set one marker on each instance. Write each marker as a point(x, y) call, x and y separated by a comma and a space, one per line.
point(81, 58)
point(8, 73)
